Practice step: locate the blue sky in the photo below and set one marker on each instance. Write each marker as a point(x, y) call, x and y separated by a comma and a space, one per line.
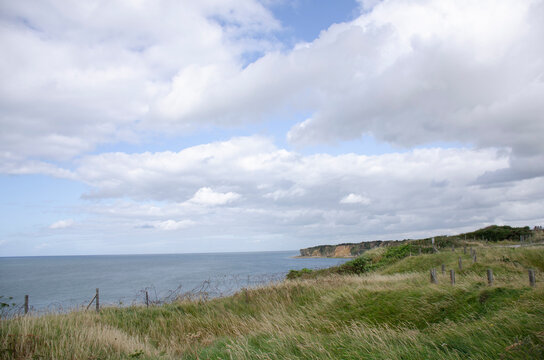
point(151, 127)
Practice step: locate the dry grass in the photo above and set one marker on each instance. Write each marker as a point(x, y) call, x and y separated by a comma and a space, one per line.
point(393, 313)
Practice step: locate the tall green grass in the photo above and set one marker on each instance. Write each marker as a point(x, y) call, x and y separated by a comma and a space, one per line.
point(388, 311)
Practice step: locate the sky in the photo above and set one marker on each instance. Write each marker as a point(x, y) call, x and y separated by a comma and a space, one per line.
point(135, 126)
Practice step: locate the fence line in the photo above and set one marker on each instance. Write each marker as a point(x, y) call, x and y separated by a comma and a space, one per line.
point(214, 287)
point(207, 289)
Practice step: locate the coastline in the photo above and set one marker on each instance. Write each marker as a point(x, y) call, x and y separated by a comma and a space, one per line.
point(323, 257)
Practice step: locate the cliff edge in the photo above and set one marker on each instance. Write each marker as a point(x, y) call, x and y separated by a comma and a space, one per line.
point(346, 250)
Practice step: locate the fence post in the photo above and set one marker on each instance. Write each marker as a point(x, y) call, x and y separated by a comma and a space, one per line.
point(26, 304)
point(443, 269)
point(420, 250)
point(433, 276)
point(465, 249)
point(532, 280)
point(490, 277)
point(452, 277)
point(460, 263)
point(146, 299)
point(97, 301)
point(474, 257)
point(453, 247)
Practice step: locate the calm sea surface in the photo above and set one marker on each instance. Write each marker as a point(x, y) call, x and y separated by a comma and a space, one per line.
point(64, 282)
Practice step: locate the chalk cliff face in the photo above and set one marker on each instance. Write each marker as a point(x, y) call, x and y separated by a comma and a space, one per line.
point(344, 250)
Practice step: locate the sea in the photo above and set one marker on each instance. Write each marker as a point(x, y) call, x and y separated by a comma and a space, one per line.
point(63, 283)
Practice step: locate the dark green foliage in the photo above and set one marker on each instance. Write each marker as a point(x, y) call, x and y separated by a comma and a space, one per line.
point(397, 252)
point(293, 274)
point(364, 263)
point(498, 233)
point(359, 265)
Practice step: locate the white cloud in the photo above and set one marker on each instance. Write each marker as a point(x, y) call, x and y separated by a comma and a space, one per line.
point(17, 165)
point(468, 73)
point(275, 191)
point(206, 196)
point(290, 193)
point(355, 199)
point(75, 75)
point(173, 225)
point(290, 200)
point(407, 72)
point(62, 224)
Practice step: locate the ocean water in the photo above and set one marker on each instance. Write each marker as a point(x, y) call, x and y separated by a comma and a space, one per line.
point(59, 283)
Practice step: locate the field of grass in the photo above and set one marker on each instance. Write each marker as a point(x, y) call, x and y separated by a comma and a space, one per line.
point(383, 307)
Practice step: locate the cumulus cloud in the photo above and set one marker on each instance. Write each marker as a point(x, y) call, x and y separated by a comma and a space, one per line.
point(355, 199)
point(75, 75)
point(206, 196)
point(62, 224)
point(18, 165)
point(173, 224)
point(265, 189)
point(468, 73)
point(407, 72)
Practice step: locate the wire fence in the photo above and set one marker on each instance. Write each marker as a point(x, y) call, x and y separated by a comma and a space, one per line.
point(213, 287)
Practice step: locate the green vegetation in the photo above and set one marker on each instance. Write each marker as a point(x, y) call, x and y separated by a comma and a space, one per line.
point(499, 233)
point(354, 249)
point(379, 306)
point(370, 261)
point(493, 233)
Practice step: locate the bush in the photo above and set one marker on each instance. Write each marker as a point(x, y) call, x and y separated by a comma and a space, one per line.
point(359, 265)
point(498, 233)
point(293, 274)
point(397, 252)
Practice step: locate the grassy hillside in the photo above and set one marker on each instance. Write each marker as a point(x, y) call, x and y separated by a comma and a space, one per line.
point(493, 233)
point(381, 307)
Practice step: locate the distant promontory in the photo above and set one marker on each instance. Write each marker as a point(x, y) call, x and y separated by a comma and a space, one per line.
point(345, 250)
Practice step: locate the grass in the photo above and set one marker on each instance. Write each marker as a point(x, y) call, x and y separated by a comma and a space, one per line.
point(389, 310)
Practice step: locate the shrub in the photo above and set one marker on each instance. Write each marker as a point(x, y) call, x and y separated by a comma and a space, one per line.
point(359, 265)
point(499, 233)
point(293, 274)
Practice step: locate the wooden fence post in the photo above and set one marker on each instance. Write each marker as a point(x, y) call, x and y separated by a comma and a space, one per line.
point(443, 269)
point(465, 249)
point(532, 280)
point(146, 299)
point(420, 250)
point(97, 301)
point(460, 263)
point(26, 304)
point(452, 277)
point(490, 277)
point(453, 248)
point(433, 276)
point(474, 257)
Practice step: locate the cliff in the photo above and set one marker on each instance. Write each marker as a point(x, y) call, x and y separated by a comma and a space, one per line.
point(345, 250)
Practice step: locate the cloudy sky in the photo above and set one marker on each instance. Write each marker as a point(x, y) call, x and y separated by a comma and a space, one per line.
point(137, 126)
